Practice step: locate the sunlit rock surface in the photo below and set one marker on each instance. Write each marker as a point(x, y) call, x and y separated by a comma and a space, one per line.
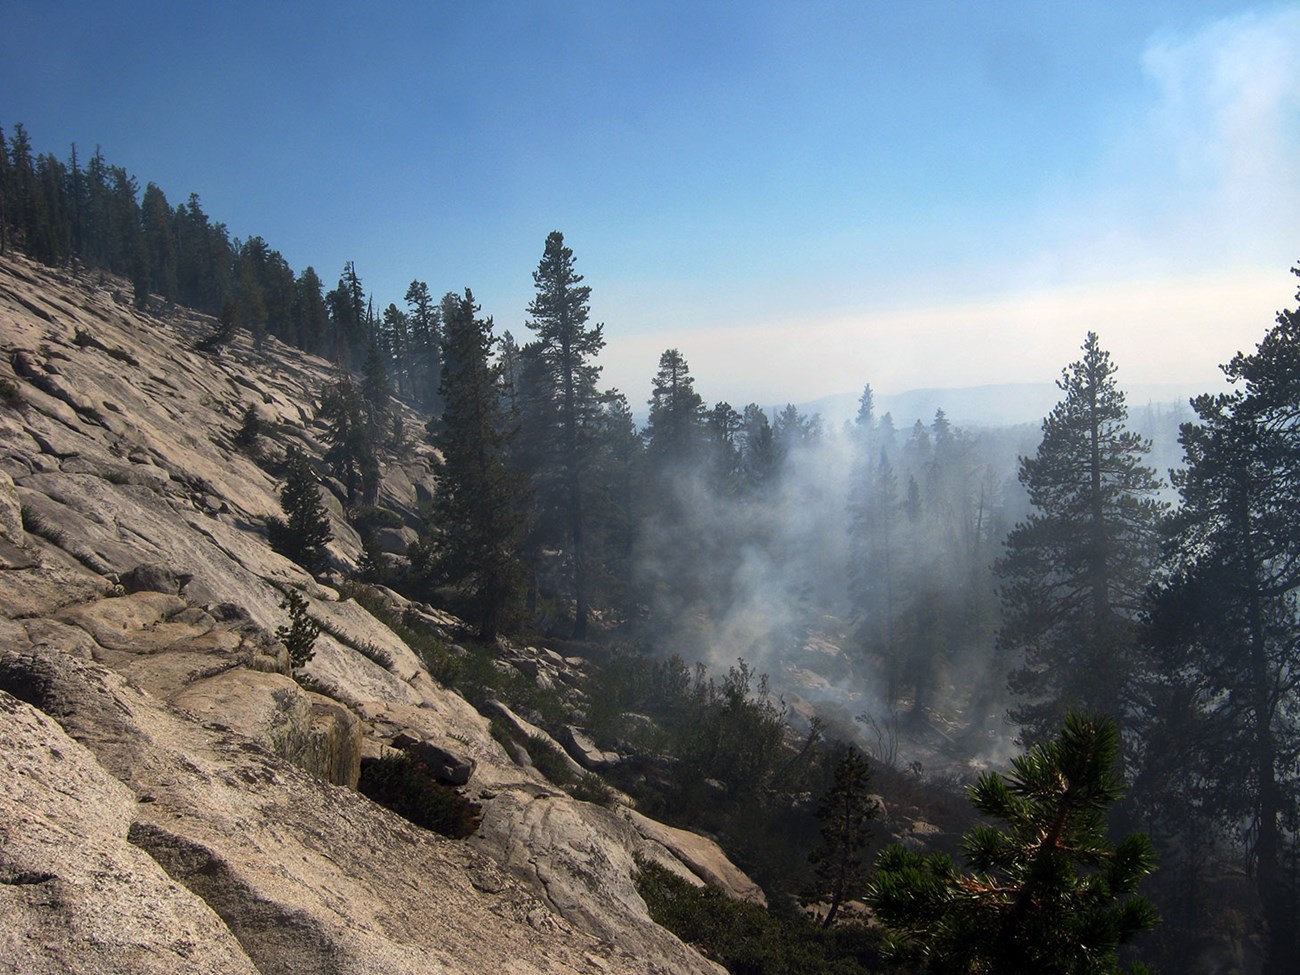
point(171, 800)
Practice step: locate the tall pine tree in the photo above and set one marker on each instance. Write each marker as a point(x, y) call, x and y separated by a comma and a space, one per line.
point(476, 518)
point(1076, 571)
point(568, 346)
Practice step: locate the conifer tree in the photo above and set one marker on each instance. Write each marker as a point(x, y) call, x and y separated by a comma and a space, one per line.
point(567, 347)
point(675, 426)
point(1225, 622)
point(426, 345)
point(1076, 571)
point(845, 811)
point(351, 453)
point(375, 394)
point(1045, 892)
point(305, 530)
point(474, 531)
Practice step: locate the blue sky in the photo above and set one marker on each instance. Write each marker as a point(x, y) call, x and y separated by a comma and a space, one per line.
point(801, 196)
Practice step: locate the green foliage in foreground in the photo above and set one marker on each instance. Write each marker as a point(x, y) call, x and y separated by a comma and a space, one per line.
point(1046, 892)
point(403, 785)
point(746, 939)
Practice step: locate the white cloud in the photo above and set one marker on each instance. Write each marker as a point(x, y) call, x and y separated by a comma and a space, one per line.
point(1227, 122)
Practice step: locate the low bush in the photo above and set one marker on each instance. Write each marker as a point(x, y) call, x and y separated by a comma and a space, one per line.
point(746, 939)
point(403, 785)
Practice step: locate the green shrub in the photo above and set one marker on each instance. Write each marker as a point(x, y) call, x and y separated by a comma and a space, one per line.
point(549, 760)
point(9, 394)
point(403, 785)
point(747, 939)
point(592, 788)
point(121, 355)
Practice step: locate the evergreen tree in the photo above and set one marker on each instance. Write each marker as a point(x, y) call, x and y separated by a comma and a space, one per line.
point(311, 317)
point(397, 339)
point(305, 531)
point(1046, 892)
point(1075, 572)
point(675, 426)
point(618, 500)
point(300, 633)
point(758, 453)
point(375, 394)
point(160, 242)
point(567, 348)
point(474, 529)
point(351, 454)
point(845, 811)
point(1226, 624)
point(426, 345)
point(250, 428)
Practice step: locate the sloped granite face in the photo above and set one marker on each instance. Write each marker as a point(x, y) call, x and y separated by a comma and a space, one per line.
point(206, 822)
point(76, 895)
point(153, 832)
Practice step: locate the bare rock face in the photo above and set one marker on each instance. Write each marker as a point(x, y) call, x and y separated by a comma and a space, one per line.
point(189, 798)
point(282, 869)
point(76, 895)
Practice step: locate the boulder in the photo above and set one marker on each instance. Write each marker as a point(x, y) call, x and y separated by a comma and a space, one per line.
point(703, 856)
point(301, 876)
point(526, 730)
point(76, 896)
point(310, 730)
point(153, 577)
point(445, 766)
point(585, 752)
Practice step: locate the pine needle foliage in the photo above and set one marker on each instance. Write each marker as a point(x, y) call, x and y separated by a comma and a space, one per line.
point(299, 634)
point(1045, 891)
point(305, 530)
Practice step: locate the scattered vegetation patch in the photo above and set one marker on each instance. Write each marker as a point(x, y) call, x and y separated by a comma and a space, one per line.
point(250, 428)
point(121, 355)
point(116, 477)
point(745, 938)
point(367, 649)
point(82, 339)
point(592, 788)
point(370, 518)
point(549, 760)
point(9, 394)
point(34, 524)
point(403, 785)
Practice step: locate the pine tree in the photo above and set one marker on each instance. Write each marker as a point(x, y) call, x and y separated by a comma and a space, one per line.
point(351, 452)
point(1076, 571)
point(375, 393)
point(474, 530)
point(568, 347)
point(305, 531)
point(426, 345)
point(675, 426)
point(1046, 892)
point(300, 633)
point(1225, 621)
point(845, 811)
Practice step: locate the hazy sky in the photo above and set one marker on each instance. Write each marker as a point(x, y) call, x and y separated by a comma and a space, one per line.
point(801, 196)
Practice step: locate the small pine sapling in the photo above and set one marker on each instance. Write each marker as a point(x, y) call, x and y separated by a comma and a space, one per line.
point(300, 633)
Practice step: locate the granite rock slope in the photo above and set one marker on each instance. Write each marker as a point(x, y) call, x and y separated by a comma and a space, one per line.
point(155, 747)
